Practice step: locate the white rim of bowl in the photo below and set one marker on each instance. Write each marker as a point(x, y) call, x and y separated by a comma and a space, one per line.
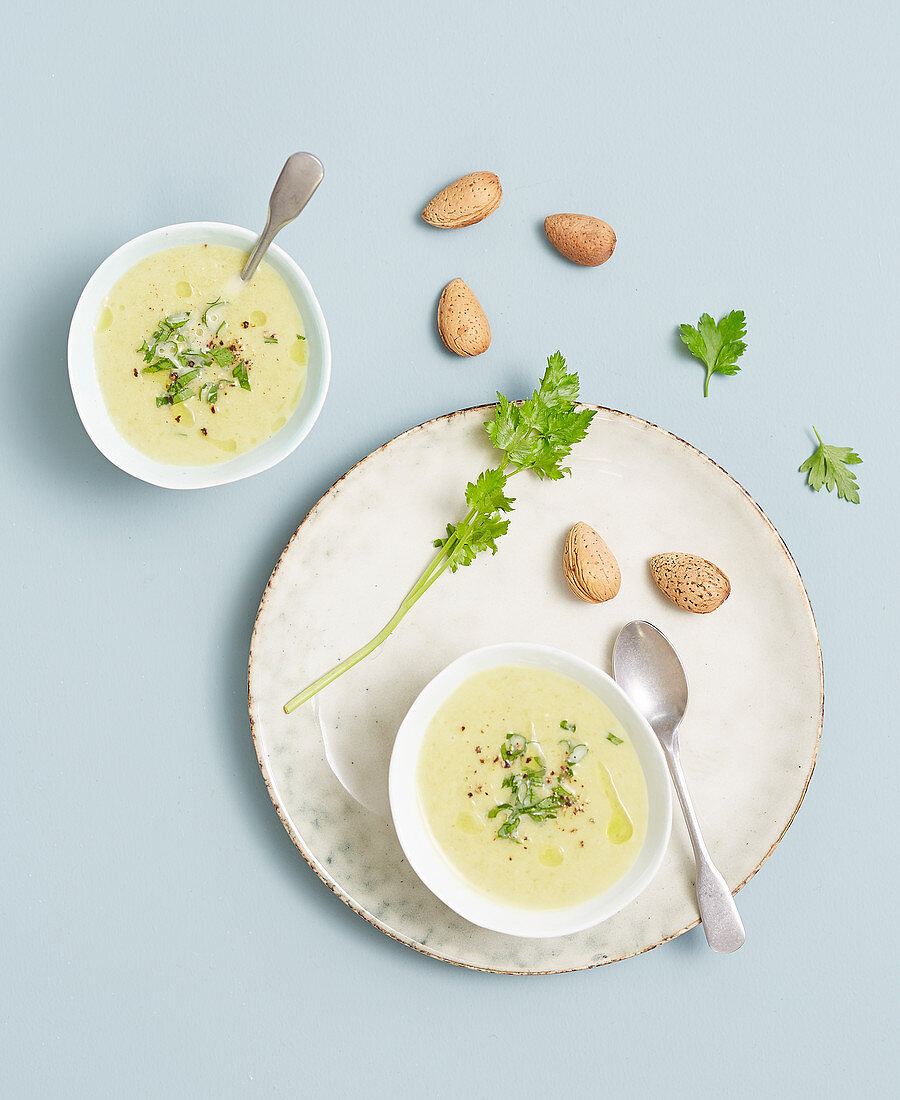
point(89, 400)
point(433, 867)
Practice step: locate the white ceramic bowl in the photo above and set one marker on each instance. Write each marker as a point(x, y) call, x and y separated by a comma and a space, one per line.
point(430, 864)
point(86, 388)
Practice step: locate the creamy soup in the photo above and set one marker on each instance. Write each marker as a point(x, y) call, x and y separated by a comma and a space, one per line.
point(196, 367)
point(531, 788)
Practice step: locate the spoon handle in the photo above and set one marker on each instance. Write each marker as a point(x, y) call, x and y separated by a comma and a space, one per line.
point(721, 920)
point(301, 175)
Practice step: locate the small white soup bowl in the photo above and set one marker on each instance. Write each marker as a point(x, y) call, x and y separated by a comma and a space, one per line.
point(426, 858)
point(86, 387)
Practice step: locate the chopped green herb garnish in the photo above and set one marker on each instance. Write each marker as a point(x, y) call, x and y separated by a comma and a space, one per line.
point(182, 380)
point(513, 747)
point(615, 740)
point(192, 359)
point(574, 753)
point(174, 398)
point(536, 435)
point(299, 337)
point(270, 339)
point(240, 373)
point(564, 725)
point(167, 350)
point(529, 796)
point(223, 356)
point(209, 306)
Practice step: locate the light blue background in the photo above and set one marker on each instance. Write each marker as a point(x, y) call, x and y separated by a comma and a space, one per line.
point(160, 935)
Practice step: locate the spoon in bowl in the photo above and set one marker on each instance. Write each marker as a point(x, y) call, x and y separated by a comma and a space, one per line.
point(301, 175)
point(648, 670)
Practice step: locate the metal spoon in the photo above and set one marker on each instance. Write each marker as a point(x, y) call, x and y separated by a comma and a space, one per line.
point(649, 672)
point(301, 175)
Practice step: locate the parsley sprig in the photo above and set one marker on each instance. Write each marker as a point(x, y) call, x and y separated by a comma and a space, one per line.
point(718, 345)
point(536, 435)
point(828, 466)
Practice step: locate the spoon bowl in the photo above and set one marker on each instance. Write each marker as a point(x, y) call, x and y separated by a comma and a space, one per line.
point(649, 672)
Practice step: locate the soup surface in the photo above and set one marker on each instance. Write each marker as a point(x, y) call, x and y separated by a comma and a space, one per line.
point(531, 788)
point(195, 366)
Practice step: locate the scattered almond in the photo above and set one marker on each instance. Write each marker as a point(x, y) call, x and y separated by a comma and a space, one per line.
point(465, 201)
point(690, 582)
point(580, 238)
point(461, 320)
point(590, 566)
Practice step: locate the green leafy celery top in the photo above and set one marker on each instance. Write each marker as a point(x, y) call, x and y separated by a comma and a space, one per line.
point(536, 435)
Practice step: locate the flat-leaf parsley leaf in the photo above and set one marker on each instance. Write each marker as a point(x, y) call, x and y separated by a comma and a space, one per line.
point(828, 466)
point(717, 345)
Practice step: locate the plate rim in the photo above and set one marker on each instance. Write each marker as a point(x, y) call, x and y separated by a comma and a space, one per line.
point(320, 871)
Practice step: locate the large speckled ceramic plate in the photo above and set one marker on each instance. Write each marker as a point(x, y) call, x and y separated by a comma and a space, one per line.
point(750, 736)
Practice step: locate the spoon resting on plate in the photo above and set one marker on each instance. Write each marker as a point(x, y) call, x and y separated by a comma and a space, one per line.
point(301, 175)
point(648, 670)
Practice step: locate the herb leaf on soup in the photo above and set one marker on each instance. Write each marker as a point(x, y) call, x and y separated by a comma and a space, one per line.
point(240, 373)
point(223, 356)
point(209, 306)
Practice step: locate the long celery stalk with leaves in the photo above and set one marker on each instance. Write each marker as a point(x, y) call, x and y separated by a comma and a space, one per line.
point(536, 435)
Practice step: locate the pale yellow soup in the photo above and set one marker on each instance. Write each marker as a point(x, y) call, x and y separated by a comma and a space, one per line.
point(256, 330)
point(549, 864)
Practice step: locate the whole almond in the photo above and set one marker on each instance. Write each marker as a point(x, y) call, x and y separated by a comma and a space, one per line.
point(590, 566)
point(461, 320)
point(584, 240)
point(690, 582)
point(465, 201)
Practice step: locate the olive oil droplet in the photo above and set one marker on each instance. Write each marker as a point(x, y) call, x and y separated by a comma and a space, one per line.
point(620, 828)
point(468, 822)
point(552, 857)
